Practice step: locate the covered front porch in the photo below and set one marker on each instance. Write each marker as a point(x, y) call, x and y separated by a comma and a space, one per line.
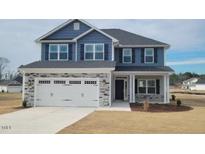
point(135, 87)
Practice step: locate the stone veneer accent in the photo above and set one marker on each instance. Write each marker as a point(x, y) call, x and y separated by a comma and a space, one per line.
point(103, 79)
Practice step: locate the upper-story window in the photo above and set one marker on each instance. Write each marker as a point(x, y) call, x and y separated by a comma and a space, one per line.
point(149, 55)
point(58, 52)
point(76, 26)
point(127, 55)
point(94, 52)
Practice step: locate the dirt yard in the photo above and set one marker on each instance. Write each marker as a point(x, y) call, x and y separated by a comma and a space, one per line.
point(111, 122)
point(10, 102)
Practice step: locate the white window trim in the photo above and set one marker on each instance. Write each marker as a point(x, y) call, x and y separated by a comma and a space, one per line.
point(147, 55)
point(146, 86)
point(58, 52)
point(130, 55)
point(76, 26)
point(94, 59)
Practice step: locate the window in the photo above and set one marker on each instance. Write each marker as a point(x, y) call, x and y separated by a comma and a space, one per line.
point(74, 82)
point(127, 55)
point(149, 55)
point(76, 26)
point(59, 82)
point(94, 52)
point(53, 50)
point(58, 51)
point(90, 82)
point(147, 86)
point(44, 82)
point(142, 86)
point(151, 86)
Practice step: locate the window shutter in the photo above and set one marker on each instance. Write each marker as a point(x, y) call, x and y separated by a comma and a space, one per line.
point(158, 86)
point(46, 51)
point(133, 55)
point(155, 55)
point(70, 51)
point(120, 55)
point(136, 86)
point(142, 55)
point(106, 48)
point(81, 51)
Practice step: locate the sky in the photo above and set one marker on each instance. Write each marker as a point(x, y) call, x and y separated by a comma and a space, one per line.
point(186, 38)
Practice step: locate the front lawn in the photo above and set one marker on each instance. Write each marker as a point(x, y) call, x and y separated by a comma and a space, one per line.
point(115, 122)
point(10, 102)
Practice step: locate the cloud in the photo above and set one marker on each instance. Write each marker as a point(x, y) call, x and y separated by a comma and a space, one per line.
point(187, 62)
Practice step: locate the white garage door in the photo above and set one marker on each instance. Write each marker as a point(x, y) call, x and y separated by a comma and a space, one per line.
point(66, 92)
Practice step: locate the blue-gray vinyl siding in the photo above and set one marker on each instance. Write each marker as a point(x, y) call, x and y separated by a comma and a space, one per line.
point(137, 61)
point(68, 32)
point(95, 37)
point(45, 51)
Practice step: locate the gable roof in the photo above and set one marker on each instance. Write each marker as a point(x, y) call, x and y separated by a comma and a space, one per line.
point(130, 39)
point(201, 81)
point(74, 39)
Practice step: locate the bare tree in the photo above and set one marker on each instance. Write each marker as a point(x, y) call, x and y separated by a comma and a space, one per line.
point(3, 64)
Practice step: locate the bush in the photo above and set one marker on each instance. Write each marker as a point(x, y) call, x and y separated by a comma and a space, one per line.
point(173, 97)
point(25, 103)
point(2, 91)
point(179, 102)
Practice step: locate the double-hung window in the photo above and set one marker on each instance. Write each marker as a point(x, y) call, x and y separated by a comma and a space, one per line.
point(147, 86)
point(94, 52)
point(127, 55)
point(58, 52)
point(149, 55)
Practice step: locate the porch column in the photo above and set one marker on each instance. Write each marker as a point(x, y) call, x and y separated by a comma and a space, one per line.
point(130, 88)
point(168, 90)
point(133, 88)
point(165, 88)
point(23, 85)
point(110, 89)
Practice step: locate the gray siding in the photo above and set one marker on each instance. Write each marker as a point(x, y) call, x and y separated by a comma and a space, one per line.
point(96, 37)
point(68, 32)
point(44, 50)
point(160, 58)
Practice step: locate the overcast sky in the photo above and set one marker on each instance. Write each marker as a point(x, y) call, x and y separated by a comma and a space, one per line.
point(186, 37)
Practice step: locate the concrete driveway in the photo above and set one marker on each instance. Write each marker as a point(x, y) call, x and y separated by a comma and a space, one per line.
point(41, 120)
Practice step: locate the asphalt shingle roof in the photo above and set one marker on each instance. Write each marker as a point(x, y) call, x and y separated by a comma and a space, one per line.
point(70, 64)
point(144, 68)
point(128, 38)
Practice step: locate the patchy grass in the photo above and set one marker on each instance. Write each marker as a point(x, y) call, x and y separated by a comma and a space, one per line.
point(10, 102)
point(191, 99)
point(111, 122)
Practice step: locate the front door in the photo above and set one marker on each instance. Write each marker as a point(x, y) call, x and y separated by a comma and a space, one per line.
point(119, 89)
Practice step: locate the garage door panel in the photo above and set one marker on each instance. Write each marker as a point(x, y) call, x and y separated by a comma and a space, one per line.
point(67, 92)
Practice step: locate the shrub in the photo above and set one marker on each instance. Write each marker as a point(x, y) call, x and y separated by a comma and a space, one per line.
point(173, 97)
point(179, 102)
point(25, 103)
point(2, 91)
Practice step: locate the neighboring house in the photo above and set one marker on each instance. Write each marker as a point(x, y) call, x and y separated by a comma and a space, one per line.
point(82, 65)
point(11, 86)
point(199, 85)
point(187, 83)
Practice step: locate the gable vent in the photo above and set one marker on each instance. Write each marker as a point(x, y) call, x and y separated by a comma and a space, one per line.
point(76, 25)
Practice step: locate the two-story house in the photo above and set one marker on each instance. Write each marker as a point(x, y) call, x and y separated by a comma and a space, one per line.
point(82, 65)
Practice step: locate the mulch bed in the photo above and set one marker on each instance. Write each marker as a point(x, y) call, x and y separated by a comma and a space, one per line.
point(159, 107)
